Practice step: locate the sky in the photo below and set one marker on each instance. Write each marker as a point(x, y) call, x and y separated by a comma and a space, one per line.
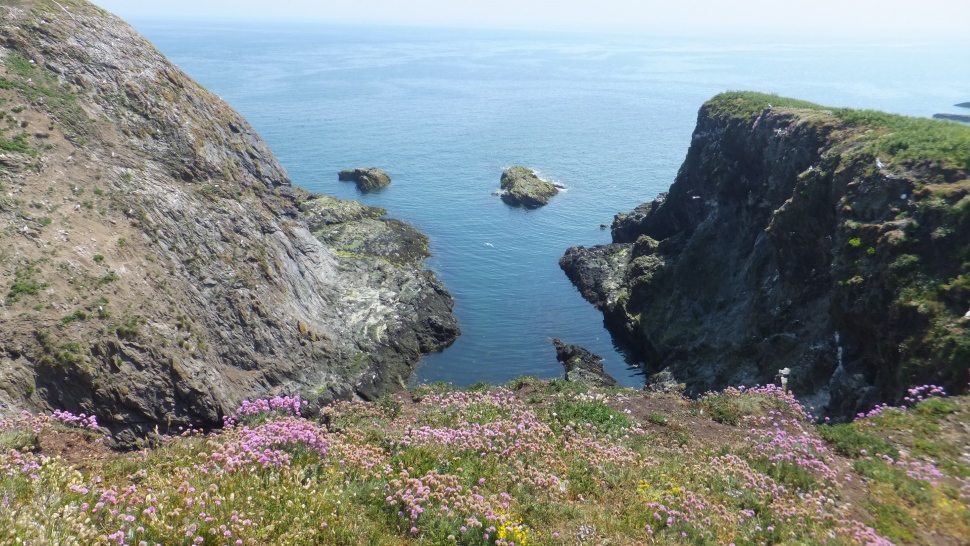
point(938, 18)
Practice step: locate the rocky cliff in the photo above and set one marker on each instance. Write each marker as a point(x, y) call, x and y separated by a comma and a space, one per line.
point(830, 241)
point(156, 264)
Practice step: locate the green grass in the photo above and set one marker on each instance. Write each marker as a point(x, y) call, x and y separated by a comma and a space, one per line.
point(588, 415)
point(750, 104)
point(848, 440)
point(58, 99)
point(903, 139)
point(532, 473)
point(17, 144)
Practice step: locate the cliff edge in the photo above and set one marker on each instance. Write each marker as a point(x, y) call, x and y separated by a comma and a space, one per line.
point(156, 264)
point(829, 241)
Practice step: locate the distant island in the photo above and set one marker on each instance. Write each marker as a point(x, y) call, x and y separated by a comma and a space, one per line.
point(963, 118)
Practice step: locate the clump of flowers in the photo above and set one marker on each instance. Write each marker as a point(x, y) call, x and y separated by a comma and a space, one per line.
point(89, 422)
point(918, 394)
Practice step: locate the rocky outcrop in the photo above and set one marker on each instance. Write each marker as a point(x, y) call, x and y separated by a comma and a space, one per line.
point(963, 105)
point(521, 187)
point(582, 366)
point(157, 266)
point(962, 118)
point(368, 179)
point(825, 241)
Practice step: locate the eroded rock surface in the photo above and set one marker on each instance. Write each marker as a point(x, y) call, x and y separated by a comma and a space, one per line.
point(797, 237)
point(157, 266)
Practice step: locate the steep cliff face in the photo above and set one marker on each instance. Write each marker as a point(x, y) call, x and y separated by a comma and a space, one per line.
point(156, 264)
point(833, 242)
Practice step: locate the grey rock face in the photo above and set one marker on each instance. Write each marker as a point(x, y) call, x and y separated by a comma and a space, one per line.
point(192, 272)
point(780, 246)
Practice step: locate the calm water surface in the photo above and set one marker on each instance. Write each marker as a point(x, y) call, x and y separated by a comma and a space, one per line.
point(444, 111)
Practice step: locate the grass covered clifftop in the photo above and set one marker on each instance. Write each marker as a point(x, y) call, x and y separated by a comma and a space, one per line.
point(531, 463)
point(904, 140)
point(830, 241)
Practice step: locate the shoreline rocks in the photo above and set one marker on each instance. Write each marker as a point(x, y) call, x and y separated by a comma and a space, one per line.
point(582, 366)
point(521, 187)
point(367, 179)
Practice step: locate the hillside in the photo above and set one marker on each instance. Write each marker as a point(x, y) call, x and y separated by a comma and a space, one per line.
point(157, 266)
point(532, 463)
point(829, 241)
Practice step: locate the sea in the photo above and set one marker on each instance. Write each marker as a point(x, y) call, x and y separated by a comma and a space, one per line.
point(444, 111)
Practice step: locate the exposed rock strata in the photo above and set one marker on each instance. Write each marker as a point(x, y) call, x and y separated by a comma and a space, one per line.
point(521, 187)
point(156, 264)
point(582, 366)
point(367, 179)
point(800, 238)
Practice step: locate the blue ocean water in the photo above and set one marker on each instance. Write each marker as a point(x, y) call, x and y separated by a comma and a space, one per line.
point(444, 111)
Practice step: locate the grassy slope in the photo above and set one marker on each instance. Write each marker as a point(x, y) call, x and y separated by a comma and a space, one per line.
point(534, 463)
point(906, 140)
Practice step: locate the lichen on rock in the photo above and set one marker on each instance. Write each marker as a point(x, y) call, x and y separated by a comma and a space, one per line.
point(168, 268)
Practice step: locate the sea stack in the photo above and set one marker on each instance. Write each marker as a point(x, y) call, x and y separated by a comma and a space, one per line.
point(521, 187)
point(582, 366)
point(368, 179)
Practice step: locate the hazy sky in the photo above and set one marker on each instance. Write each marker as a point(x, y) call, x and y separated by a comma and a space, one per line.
point(937, 17)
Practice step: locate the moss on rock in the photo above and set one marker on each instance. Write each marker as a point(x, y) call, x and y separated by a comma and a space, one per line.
point(523, 188)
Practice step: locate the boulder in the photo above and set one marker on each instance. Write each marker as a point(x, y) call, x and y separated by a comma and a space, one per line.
point(521, 187)
point(582, 366)
point(368, 179)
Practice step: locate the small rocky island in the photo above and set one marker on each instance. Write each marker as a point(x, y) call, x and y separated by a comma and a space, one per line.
point(368, 179)
point(521, 187)
point(963, 105)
